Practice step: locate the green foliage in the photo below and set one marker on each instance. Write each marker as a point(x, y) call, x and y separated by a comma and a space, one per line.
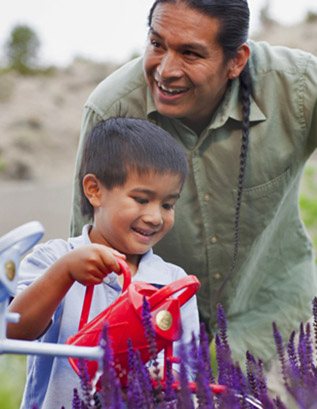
point(308, 201)
point(22, 48)
point(12, 379)
point(311, 17)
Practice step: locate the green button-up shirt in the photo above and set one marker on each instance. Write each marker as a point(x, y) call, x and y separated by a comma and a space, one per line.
point(275, 276)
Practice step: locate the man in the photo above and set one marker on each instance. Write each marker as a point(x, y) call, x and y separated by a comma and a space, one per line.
point(237, 225)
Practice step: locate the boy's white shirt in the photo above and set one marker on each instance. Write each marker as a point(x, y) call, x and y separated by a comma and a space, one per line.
point(50, 381)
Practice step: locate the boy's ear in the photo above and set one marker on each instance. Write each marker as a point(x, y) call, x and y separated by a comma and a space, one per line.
point(91, 186)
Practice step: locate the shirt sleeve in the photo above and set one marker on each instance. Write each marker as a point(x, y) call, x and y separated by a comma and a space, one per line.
point(39, 260)
point(310, 101)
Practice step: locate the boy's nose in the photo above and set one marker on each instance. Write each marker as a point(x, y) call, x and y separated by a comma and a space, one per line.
point(153, 216)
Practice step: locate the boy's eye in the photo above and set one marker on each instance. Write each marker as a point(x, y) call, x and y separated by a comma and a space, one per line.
point(168, 206)
point(141, 200)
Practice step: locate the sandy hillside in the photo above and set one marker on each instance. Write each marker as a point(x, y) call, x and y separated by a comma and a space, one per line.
point(39, 128)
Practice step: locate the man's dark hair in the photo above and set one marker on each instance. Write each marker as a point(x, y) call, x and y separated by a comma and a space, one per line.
point(233, 15)
point(119, 145)
point(234, 18)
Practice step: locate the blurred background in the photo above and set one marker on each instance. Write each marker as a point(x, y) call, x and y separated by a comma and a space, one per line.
point(52, 55)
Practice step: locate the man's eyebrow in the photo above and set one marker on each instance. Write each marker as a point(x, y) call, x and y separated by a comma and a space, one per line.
point(191, 46)
point(152, 31)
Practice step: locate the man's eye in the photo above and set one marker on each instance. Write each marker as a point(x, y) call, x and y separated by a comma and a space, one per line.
point(192, 53)
point(155, 43)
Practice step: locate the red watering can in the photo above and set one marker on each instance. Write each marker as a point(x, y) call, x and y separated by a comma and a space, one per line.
point(124, 318)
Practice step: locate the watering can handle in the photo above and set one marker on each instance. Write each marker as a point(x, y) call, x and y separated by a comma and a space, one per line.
point(90, 290)
point(190, 283)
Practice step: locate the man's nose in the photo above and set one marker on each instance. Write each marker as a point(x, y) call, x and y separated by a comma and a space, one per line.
point(169, 66)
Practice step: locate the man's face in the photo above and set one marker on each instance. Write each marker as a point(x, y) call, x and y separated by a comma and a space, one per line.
point(183, 64)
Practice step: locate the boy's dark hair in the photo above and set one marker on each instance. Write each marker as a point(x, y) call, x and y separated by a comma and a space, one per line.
point(119, 145)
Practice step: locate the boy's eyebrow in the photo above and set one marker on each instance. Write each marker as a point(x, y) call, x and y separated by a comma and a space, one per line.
point(192, 46)
point(152, 192)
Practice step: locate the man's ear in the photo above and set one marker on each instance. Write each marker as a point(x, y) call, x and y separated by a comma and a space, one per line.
point(237, 64)
point(91, 186)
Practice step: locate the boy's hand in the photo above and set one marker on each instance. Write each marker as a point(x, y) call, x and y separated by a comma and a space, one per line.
point(37, 303)
point(90, 264)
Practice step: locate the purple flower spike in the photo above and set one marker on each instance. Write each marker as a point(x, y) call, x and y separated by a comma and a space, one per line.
point(76, 403)
point(221, 361)
point(204, 395)
point(110, 386)
point(205, 352)
point(169, 391)
point(315, 321)
point(145, 380)
point(85, 383)
point(280, 351)
point(292, 356)
point(150, 335)
point(252, 374)
point(222, 326)
point(184, 396)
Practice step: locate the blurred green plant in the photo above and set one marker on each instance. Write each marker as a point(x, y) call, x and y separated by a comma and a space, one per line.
point(308, 201)
point(12, 379)
point(311, 17)
point(22, 49)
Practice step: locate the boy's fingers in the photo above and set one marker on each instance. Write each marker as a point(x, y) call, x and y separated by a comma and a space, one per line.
point(118, 254)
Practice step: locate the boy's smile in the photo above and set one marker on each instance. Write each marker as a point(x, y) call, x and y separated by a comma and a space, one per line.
point(132, 218)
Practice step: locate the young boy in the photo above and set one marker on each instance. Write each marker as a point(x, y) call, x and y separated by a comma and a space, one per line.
point(131, 176)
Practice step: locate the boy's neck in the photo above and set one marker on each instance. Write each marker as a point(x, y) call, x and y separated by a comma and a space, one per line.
point(133, 263)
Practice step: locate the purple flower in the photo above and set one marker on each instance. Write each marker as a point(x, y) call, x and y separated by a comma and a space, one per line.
point(184, 396)
point(150, 335)
point(222, 327)
point(76, 403)
point(204, 395)
point(85, 383)
point(169, 390)
point(109, 383)
point(252, 374)
point(315, 321)
point(204, 349)
point(280, 351)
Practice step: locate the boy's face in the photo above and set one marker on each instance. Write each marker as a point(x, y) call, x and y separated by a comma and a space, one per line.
point(134, 217)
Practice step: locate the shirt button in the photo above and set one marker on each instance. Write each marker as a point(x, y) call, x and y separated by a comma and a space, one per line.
point(213, 240)
point(206, 197)
point(217, 276)
point(106, 280)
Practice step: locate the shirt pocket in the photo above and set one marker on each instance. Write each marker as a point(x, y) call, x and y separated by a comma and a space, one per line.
point(260, 204)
